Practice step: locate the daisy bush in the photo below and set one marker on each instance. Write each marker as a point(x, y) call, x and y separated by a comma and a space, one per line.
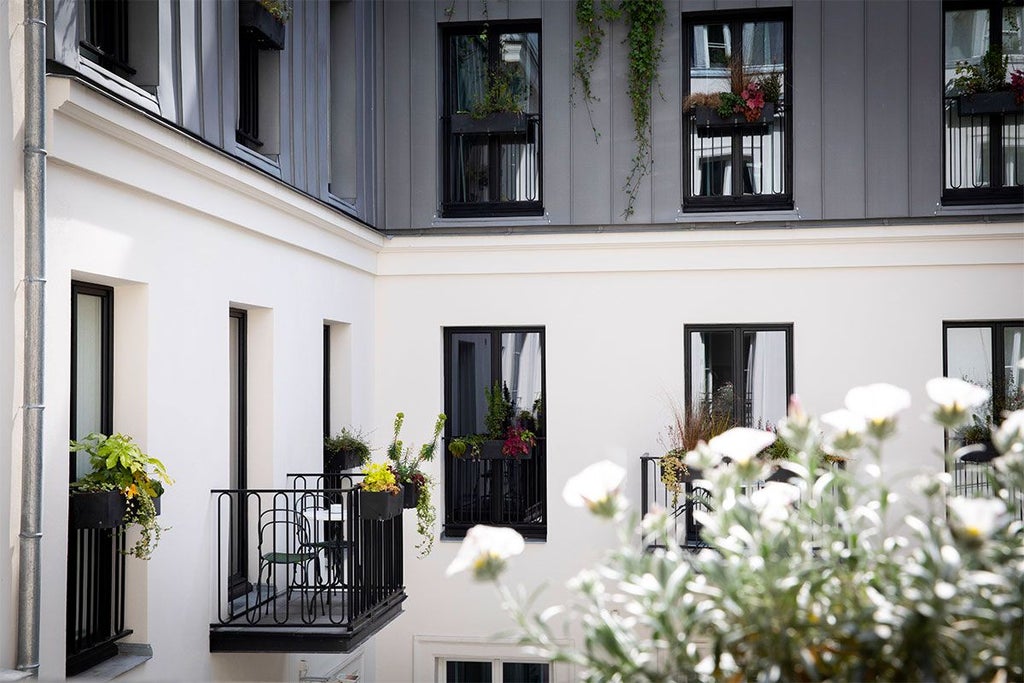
point(808, 576)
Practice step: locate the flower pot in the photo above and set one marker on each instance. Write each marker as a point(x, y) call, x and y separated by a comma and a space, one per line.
point(97, 509)
point(410, 494)
point(491, 450)
point(254, 18)
point(340, 461)
point(501, 122)
point(380, 505)
point(1002, 102)
point(710, 124)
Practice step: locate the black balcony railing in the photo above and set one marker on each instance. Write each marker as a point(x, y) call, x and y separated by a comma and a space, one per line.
point(984, 155)
point(319, 577)
point(501, 492)
point(95, 602)
point(972, 477)
point(692, 497)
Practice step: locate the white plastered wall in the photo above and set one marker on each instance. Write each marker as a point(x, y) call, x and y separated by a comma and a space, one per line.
point(866, 304)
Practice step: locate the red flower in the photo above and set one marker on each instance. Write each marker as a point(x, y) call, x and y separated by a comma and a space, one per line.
point(518, 441)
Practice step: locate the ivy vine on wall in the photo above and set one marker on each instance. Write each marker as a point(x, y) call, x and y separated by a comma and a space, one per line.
point(645, 21)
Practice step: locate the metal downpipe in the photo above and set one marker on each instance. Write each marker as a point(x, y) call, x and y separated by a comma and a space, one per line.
point(30, 538)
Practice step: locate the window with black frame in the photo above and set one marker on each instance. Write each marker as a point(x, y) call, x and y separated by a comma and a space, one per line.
point(491, 142)
point(495, 460)
point(737, 111)
point(983, 107)
point(739, 375)
point(261, 37)
point(103, 34)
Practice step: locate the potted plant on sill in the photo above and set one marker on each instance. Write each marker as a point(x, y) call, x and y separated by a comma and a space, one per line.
point(265, 19)
point(748, 107)
point(406, 463)
point(509, 434)
point(983, 89)
point(380, 495)
point(124, 488)
point(500, 109)
point(347, 450)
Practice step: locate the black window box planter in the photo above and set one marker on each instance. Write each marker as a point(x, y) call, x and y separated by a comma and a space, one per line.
point(410, 494)
point(254, 17)
point(335, 463)
point(97, 509)
point(1002, 102)
point(500, 123)
point(380, 505)
point(709, 124)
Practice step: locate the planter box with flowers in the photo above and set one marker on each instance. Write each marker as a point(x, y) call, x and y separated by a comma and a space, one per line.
point(747, 109)
point(266, 20)
point(983, 89)
point(510, 434)
point(346, 451)
point(407, 465)
point(380, 495)
point(97, 509)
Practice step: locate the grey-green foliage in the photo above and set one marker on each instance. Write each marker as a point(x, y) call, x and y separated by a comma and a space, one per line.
point(815, 579)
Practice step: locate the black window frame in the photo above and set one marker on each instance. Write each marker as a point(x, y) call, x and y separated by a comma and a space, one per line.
point(734, 201)
point(996, 192)
point(457, 528)
point(535, 128)
point(738, 379)
point(104, 35)
point(996, 326)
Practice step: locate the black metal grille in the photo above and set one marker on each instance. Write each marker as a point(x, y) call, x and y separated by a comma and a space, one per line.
point(654, 493)
point(104, 35)
point(95, 598)
point(500, 492)
point(972, 477)
point(314, 560)
point(984, 156)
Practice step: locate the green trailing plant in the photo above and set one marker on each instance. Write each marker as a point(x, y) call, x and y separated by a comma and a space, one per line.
point(118, 464)
point(988, 76)
point(516, 431)
point(348, 441)
point(406, 464)
point(499, 410)
point(645, 21)
point(504, 91)
point(686, 430)
point(279, 9)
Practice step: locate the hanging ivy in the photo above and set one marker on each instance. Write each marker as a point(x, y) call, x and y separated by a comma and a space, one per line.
point(645, 21)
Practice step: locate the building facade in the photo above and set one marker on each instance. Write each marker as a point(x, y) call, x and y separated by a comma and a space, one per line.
point(258, 233)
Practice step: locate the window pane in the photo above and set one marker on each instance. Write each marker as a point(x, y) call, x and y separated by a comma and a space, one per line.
point(470, 55)
point(518, 169)
point(471, 365)
point(764, 46)
point(709, 58)
point(88, 373)
point(525, 672)
point(764, 358)
point(521, 369)
point(519, 58)
point(468, 672)
point(712, 373)
point(1013, 351)
point(1013, 37)
point(967, 38)
point(969, 357)
point(471, 169)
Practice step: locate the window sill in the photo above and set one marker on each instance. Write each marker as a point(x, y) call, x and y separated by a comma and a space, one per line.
point(264, 163)
point(129, 656)
point(738, 217)
point(978, 209)
point(119, 86)
point(490, 221)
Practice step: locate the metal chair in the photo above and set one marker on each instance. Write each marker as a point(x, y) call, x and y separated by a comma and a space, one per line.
point(284, 541)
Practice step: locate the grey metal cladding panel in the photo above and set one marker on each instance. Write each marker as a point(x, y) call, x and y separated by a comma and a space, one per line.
point(450, 10)
point(209, 28)
point(886, 108)
point(560, 120)
point(925, 107)
point(525, 9)
point(623, 146)
point(591, 181)
point(423, 109)
point(764, 4)
point(666, 117)
point(807, 126)
point(191, 70)
point(168, 93)
point(293, 103)
point(320, 56)
point(315, 65)
point(397, 118)
point(842, 108)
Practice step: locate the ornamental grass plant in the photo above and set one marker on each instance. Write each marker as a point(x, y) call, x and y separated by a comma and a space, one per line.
point(815, 578)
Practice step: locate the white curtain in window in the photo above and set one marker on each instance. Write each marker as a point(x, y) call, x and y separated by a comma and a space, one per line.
point(1014, 346)
point(698, 377)
point(701, 59)
point(521, 367)
point(766, 383)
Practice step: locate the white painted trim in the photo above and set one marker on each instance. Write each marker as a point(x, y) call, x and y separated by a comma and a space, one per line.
point(428, 651)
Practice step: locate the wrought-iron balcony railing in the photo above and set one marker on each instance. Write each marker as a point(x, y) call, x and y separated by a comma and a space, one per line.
point(300, 569)
point(692, 496)
point(972, 476)
point(498, 492)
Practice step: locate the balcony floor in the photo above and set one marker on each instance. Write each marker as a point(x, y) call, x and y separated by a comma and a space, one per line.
point(286, 625)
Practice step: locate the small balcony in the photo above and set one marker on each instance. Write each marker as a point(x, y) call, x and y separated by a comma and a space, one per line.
point(692, 497)
point(300, 570)
point(972, 477)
